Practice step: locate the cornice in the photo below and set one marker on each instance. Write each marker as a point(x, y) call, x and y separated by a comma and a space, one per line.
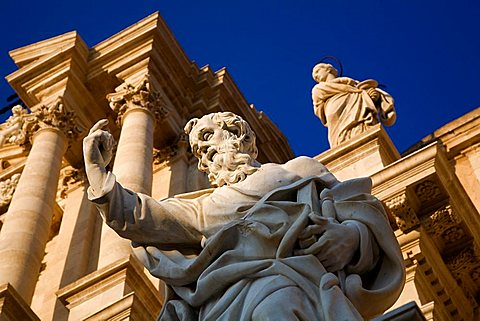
point(30, 53)
point(48, 71)
point(456, 136)
point(133, 45)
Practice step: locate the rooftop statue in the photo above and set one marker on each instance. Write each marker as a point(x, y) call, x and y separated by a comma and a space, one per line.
point(14, 130)
point(269, 242)
point(349, 107)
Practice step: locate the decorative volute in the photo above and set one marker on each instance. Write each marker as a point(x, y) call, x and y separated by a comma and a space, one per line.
point(129, 96)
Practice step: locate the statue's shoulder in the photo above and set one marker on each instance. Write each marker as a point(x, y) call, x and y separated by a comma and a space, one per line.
point(302, 163)
point(304, 166)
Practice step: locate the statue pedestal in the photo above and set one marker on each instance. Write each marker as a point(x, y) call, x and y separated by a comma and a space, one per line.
point(119, 290)
point(407, 312)
point(361, 156)
point(13, 307)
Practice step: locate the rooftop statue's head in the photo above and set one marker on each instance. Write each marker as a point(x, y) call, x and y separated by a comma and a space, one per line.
point(324, 72)
point(225, 147)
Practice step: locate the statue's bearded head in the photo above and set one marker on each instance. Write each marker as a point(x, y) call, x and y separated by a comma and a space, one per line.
point(225, 147)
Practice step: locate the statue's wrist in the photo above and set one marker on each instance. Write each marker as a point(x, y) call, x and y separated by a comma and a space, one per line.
point(96, 175)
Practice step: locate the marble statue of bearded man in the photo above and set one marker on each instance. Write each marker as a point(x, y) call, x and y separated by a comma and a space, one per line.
point(269, 242)
point(349, 107)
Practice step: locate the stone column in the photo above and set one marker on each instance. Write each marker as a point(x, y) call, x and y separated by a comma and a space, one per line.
point(138, 108)
point(27, 224)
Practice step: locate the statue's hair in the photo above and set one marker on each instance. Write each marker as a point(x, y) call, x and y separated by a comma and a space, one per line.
point(231, 122)
point(322, 65)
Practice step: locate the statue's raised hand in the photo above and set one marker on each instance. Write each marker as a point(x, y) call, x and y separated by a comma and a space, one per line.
point(97, 153)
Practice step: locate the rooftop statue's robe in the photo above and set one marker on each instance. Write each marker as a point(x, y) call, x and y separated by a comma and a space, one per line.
point(246, 269)
point(344, 106)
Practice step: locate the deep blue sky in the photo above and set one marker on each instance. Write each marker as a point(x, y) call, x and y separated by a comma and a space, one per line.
point(425, 52)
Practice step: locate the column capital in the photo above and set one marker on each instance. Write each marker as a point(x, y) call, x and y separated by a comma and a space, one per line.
point(55, 115)
point(19, 128)
point(138, 95)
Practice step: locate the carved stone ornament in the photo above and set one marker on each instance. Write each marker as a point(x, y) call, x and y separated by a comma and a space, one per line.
point(7, 188)
point(404, 214)
point(427, 191)
point(164, 155)
point(161, 156)
point(139, 95)
point(68, 177)
point(57, 116)
point(465, 268)
point(18, 127)
point(445, 224)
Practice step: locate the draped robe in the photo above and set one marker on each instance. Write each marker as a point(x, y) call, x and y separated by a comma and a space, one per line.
point(227, 253)
point(345, 107)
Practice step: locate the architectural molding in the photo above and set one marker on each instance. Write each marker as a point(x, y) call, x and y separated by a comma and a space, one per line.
point(165, 155)
point(68, 178)
point(13, 307)
point(427, 190)
point(404, 208)
point(465, 268)
point(444, 223)
point(130, 293)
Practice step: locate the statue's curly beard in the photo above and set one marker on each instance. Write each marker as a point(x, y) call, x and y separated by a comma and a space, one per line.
point(227, 165)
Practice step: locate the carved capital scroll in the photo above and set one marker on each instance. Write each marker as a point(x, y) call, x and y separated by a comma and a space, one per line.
point(57, 116)
point(138, 95)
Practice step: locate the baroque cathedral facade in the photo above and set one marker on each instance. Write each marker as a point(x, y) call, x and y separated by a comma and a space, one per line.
point(58, 260)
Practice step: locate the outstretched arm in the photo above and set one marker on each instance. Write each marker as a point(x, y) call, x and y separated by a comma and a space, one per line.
point(134, 216)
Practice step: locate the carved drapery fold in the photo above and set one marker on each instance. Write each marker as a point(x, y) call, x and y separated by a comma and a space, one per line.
point(139, 95)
